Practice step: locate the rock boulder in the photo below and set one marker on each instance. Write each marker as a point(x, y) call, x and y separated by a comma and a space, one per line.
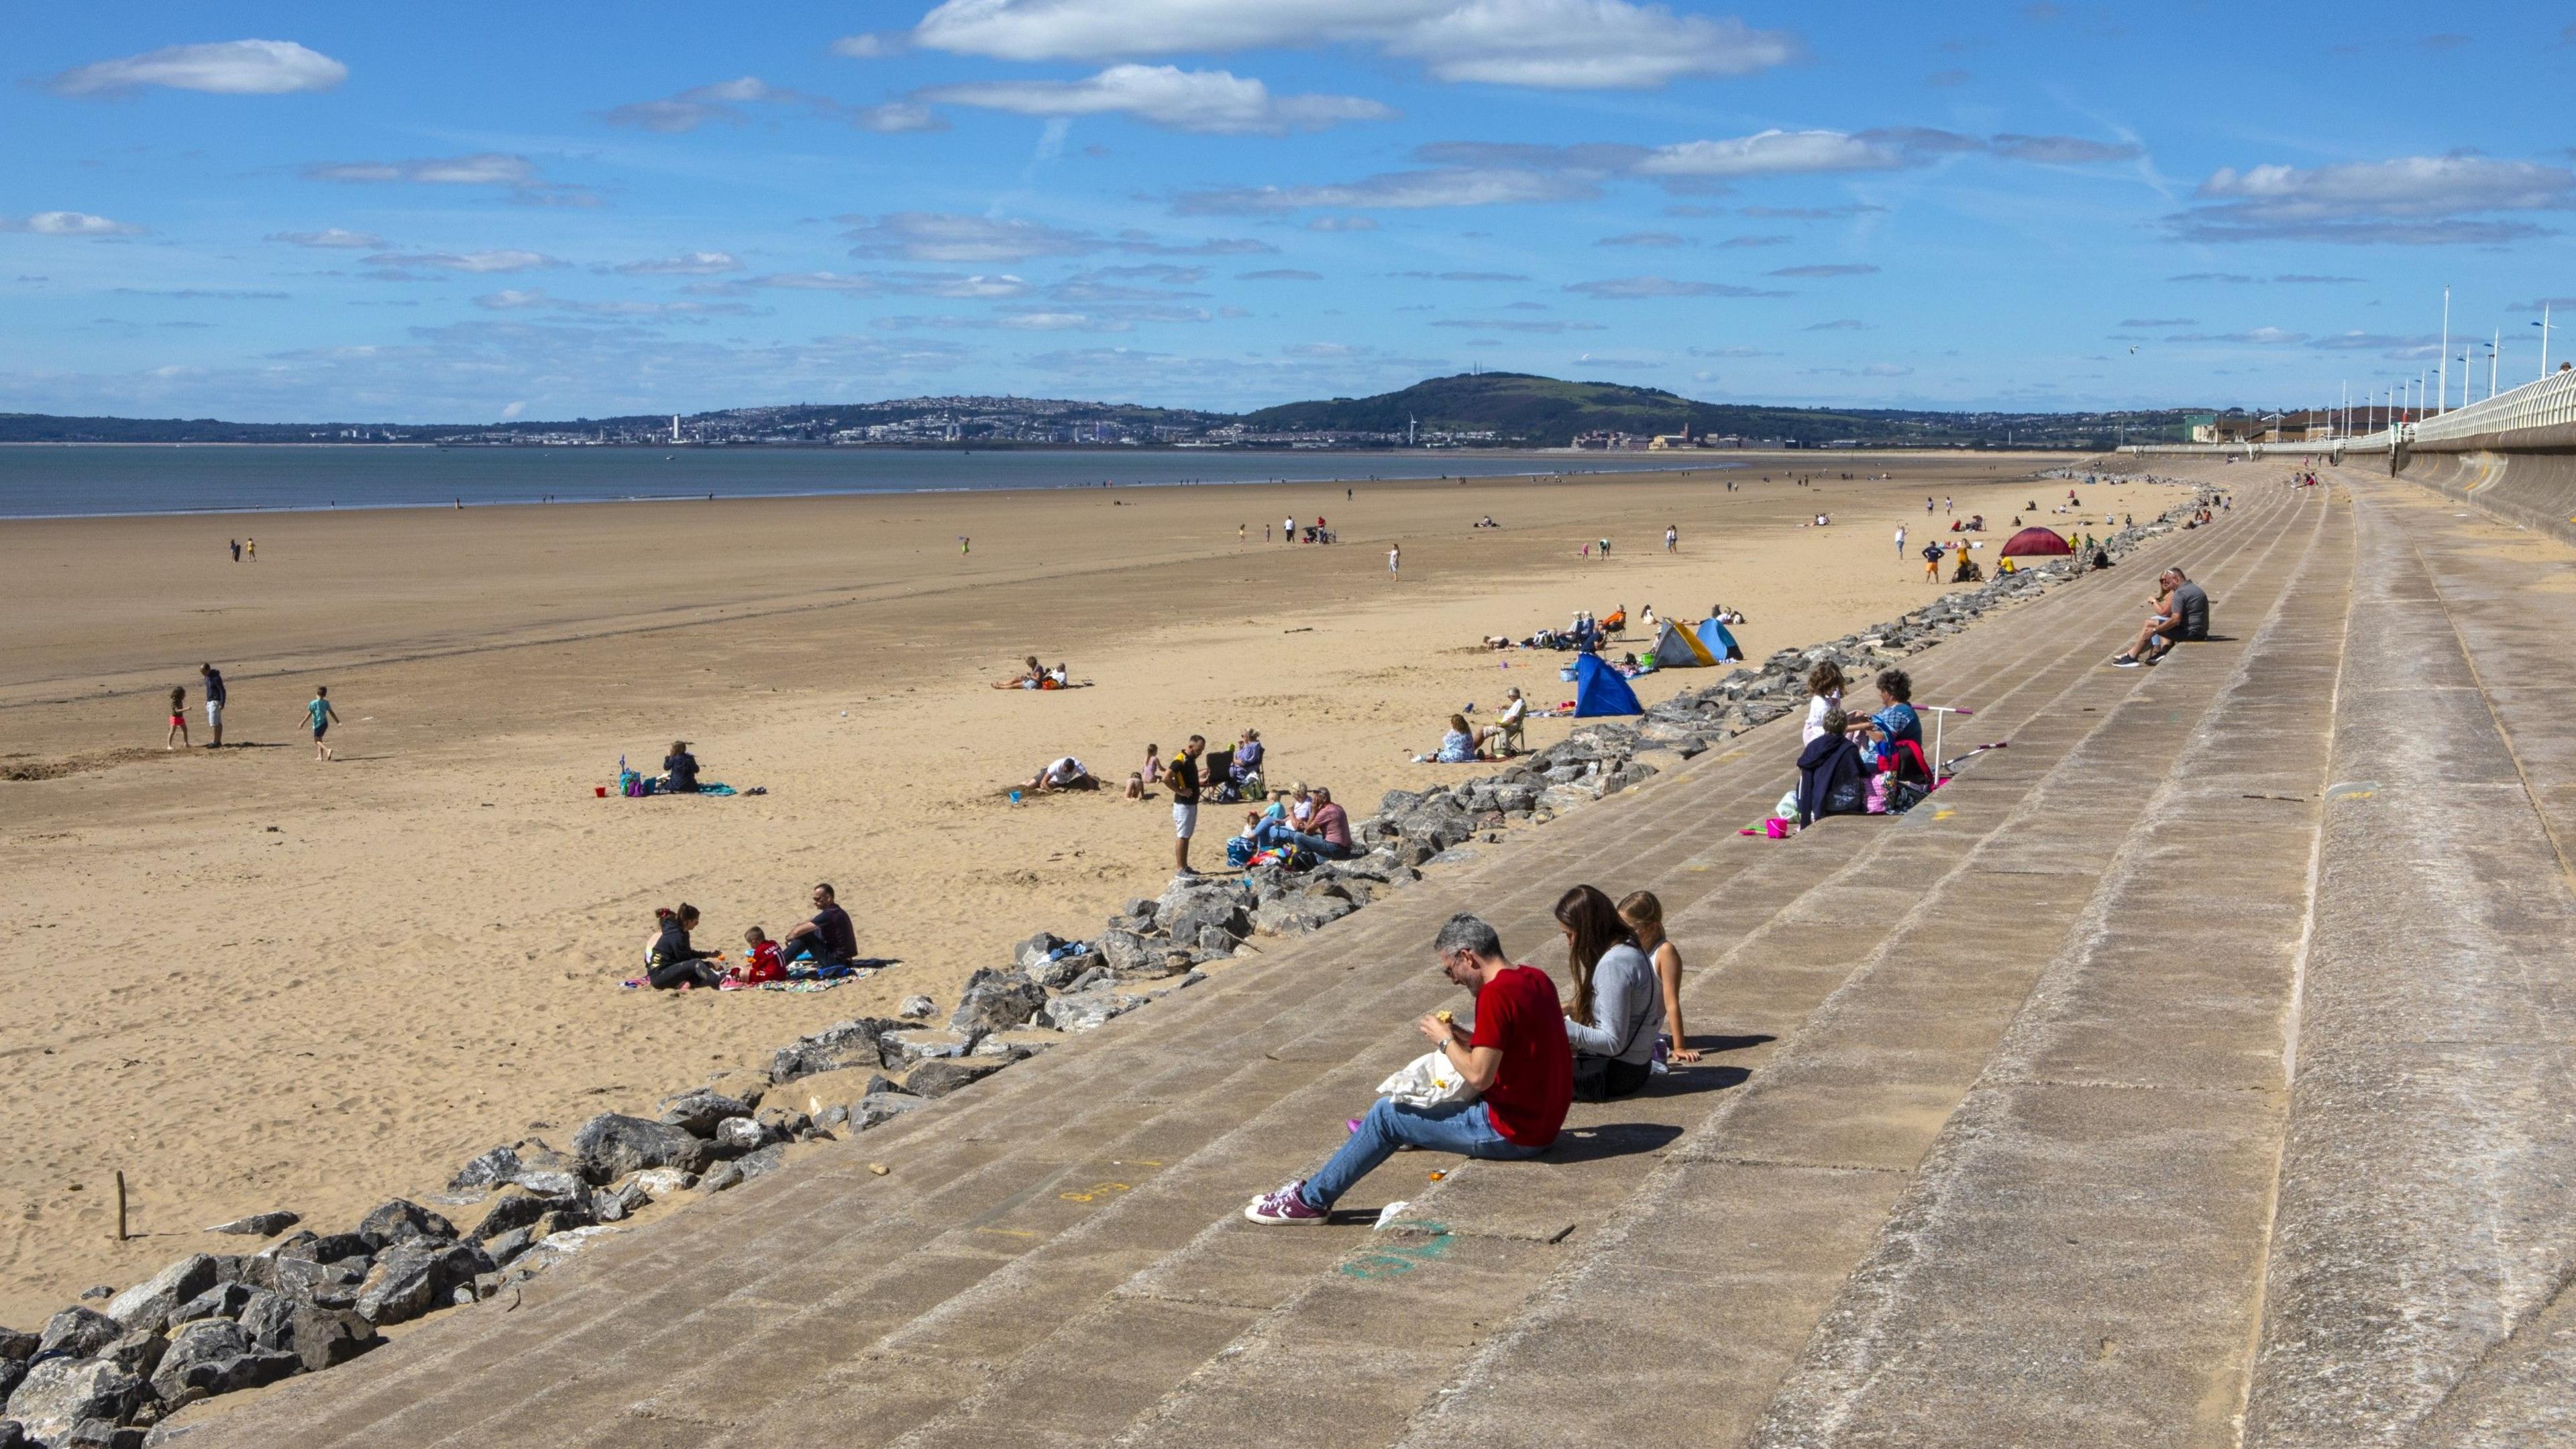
point(609, 1146)
point(147, 1304)
point(997, 1001)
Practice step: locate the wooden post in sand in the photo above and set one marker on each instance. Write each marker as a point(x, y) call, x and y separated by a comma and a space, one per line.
point(120, 1207)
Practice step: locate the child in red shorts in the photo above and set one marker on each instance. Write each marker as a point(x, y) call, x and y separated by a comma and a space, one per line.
point(763, 964)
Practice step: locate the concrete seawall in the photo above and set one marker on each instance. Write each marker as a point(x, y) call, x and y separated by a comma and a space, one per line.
point(2533, 488)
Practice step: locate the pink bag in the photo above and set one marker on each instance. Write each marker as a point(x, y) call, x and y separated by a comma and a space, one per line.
point(1878, 793)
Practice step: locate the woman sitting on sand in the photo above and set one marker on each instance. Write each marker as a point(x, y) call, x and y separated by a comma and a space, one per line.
point(673, 962)
point(1029, 678)
point(1246, 764)
point(679, 770)
point(1618, 1009)
point(1458, 747)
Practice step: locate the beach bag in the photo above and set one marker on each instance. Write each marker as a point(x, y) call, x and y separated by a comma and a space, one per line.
point(1878, 794)
point(1903, 795)
point(1238, 852)
point(1292, 856)
point(631, 784)
point(1851, 797)
point(1429, 1080)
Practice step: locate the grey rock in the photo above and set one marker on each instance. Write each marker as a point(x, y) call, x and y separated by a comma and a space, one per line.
point(1027, 955)
point(415, 1274)
point(834, 1116)
point(847, 1044)
point(15, 1346)
point(269, 1320)
point(610, 1146)
point(1098, 976)
point(224, 1300)
point(905, 1048)
point(58, 1394)
point(323, 1248)
point(491, 1169)
point(330, 1285)
point(1200, 892)
point(325, 1339)
point(916, 1006)
point(997, 1001)
point(1296, 915)
point(1227, 913)
point(516, 1208)
point(12, 1434)
point(939, 1078)
point(1396, 802)
point(193, 1352)
point(402, 1220)
point(700, 1111)
point(877, 1108)
point(78, 1332)
point(502, 1248)
point(1124, 951)
point(137, 1353)
point(148, 1304)
point(1063, 971)
point(739, 1134)
point(1515, 799)
point(103, 1434)
point(259, 1225)
point(617, 1204)
point(743, 1169)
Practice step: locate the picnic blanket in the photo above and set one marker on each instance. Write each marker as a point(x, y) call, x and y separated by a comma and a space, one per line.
point(802, 975)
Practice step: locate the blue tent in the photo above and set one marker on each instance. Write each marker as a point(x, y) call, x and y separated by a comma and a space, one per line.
point(1598, 689)
point(1720, 644)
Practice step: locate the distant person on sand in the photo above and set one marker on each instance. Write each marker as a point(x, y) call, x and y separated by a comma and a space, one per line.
point(1030, 677)
point(1931, 563)
point(1617, 1009)
point(1644, 913)
point(1063, 773)
point(1900, 540)
point(319, 712)
point(1244, 767)
point(1394, 558)
point(250, 546)
point(1153, 769)
point(829, 937)
point(1288, 530)
point(1672, 538)
point(679, 770)
point(671, 962)
point(214, 705)
point(1516, 1061)
point(178, 718)
point(1183, 779)
point(237, 550)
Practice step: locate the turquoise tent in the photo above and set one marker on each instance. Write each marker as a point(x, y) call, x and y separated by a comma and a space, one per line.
point(1598, 689)
point(1720, 644)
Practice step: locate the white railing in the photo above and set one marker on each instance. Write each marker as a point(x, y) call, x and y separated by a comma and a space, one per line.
point(2549, 402)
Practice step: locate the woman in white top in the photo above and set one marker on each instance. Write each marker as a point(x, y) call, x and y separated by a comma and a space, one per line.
point(1825, 691)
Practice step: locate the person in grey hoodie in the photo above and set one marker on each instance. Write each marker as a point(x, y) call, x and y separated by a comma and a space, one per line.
point(1617, 1007)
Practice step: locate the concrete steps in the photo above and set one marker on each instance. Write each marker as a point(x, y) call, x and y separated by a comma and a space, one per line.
point(1056, 1256)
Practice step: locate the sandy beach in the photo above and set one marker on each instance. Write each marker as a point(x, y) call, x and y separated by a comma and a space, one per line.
point(249, 980)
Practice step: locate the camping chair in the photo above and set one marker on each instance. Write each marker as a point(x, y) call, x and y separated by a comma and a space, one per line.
point(1515, 735)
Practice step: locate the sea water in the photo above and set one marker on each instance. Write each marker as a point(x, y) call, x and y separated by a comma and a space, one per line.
point(74, 480)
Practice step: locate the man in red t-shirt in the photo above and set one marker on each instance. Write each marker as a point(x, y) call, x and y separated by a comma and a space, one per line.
point(1517, 1060)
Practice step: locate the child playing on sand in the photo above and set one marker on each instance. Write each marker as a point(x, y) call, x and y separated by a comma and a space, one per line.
point(1153, 770)
point(1645, 916)
point(762, 963)
point(178, 718)
point(319, 711)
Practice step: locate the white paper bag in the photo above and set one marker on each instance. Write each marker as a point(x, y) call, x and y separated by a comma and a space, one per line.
point(1429, 1080)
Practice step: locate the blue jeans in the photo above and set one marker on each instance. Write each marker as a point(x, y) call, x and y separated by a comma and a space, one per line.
point(1464, 1128)
point(1274, 832)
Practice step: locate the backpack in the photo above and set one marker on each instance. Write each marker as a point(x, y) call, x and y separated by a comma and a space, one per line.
point(1238, 852)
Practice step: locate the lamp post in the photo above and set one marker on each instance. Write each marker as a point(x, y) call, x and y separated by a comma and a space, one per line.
point(2543, 325)
point(2442, 397)
point(2495, 356)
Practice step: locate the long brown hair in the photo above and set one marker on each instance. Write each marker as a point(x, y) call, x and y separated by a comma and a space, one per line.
point(1595, 922)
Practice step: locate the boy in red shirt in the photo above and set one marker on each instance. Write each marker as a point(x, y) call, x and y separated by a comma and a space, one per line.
point(763, 963)
point(1517, 1060)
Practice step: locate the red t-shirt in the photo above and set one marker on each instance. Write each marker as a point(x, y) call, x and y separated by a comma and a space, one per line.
point(1517, 1012)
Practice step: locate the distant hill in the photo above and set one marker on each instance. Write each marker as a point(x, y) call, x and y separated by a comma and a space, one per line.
point(1548, 412)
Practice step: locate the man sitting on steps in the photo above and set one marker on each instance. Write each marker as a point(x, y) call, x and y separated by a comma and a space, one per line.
point(2181, 613)
point(1517, 1059)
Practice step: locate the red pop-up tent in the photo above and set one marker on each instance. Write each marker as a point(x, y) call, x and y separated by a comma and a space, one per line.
point(2042, 541)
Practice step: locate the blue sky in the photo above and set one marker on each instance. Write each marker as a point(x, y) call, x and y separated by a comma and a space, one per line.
point(287, 212)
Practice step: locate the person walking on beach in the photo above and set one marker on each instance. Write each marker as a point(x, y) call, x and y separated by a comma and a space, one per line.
point(1183, 780)
point(214, 705)
point(1900, 540)
point(319, 711)
point(1672, 538)
point(1945, 505)
point(250, 546)
point(1288, 530)
point(237, 550)
point(178, 718)
point(1394, 558)
point(1239, 530)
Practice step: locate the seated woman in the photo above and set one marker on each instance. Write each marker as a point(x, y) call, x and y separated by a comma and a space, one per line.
point(1832, 780)
point(680, 770)
point(673, 962)
point(1062, 773)
point(1458, 747)
point(1245, 765)
point(1618, 1006)
point(1895, 720)
point(1617, 621)
point(1301, 805)
point(1029, 677)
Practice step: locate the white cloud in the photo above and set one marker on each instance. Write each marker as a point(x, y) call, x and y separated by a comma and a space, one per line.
point(699, 105)
point(1557, 44)
point(474, 262)
point(514, 410)
point(902, 284)
point(70, 223)
point(2260, 337)
point(867, 47)
point(2063, 150)
point(1628, 288)
point(2411, 200)
point(1773, 153)
point(925, 236)
point(894, 117)
point(1280, 274)
point(686, 264)
point(1402, 190)
point(1209, 101)
point(1827, 269)
point(224, 67)
point(486, 168)
point(330, 237)
point(517, 300)
point(1342, 223)
point(1543, 328)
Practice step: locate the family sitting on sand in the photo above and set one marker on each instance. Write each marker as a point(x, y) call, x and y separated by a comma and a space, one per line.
point(1304, 819)
point(1510, 1076)
point(1860, 765)
point(828, 942)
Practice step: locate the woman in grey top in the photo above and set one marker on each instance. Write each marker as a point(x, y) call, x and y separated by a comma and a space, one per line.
point(1617, 1010)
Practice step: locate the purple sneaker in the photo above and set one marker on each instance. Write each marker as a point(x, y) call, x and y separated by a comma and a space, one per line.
point(1287, 1205)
